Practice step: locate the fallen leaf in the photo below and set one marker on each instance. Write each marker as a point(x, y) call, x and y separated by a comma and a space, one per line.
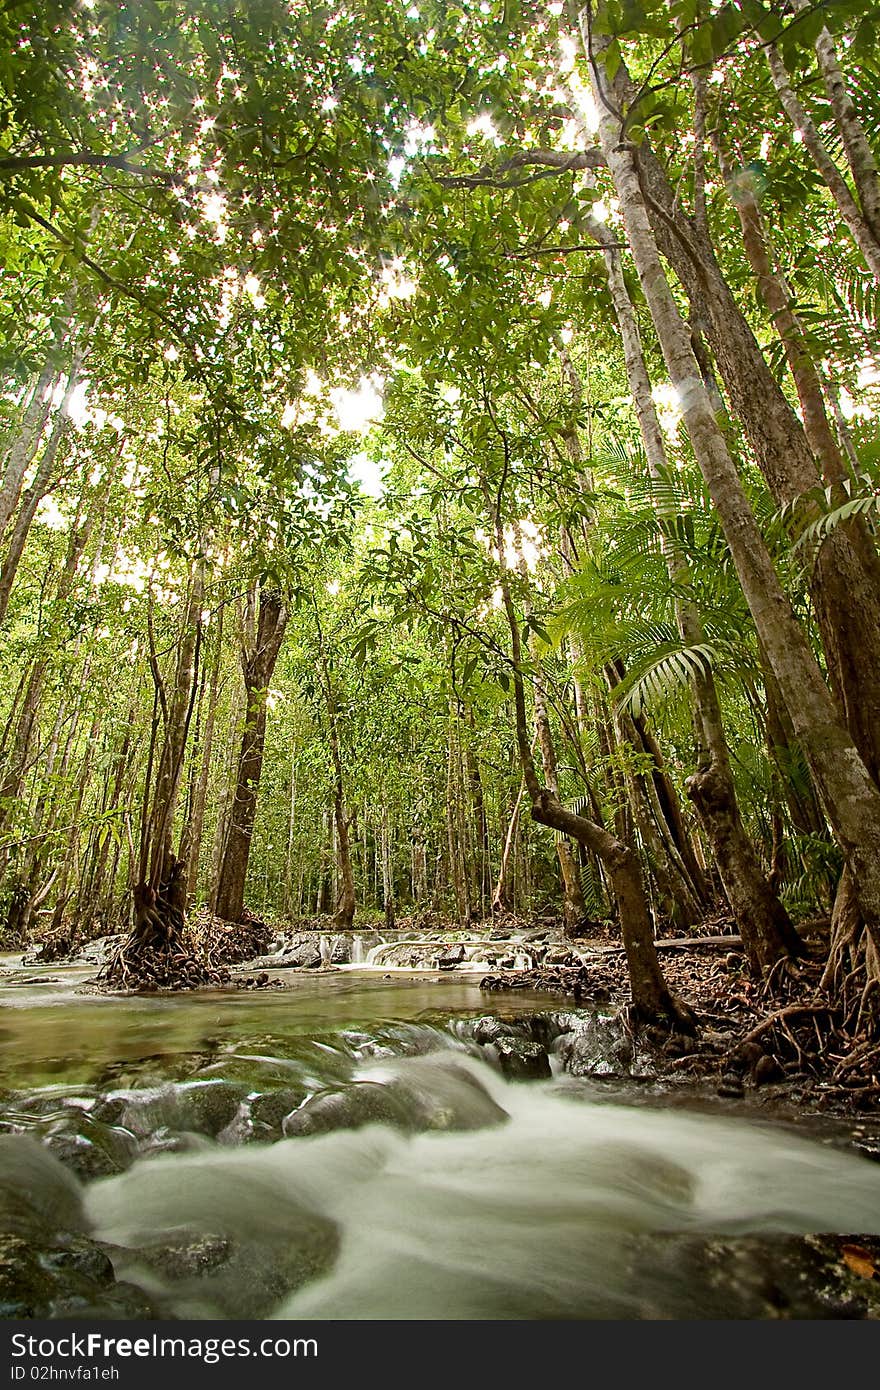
point(859, 1260)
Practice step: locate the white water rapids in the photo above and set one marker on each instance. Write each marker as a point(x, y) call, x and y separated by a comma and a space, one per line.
point(555, 1213)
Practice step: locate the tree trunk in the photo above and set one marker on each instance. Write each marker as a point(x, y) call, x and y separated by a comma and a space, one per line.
point(26, 443)
point(763, 922)
point(501, 900)
point(845, 580)
point(777, 299)
point(191, 839)
point(160, 893)
point(573, 906)
point(291, 830)
point(859, 154)
point(346, 901)
point(19, 754)
point(387, 872)
point(865, 240)
point(851, 799)
point(258, 663)
point(41, 485)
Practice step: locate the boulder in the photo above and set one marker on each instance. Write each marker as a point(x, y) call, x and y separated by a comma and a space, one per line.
point(522, 1061)
point(199, 1107)
point(64, 1277)
point(351, 1107)
point(225, 1274)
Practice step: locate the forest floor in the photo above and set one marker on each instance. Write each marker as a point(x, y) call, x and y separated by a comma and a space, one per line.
point(783, 1039)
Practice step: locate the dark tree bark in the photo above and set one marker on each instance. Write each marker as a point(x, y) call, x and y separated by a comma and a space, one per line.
point(258, 662)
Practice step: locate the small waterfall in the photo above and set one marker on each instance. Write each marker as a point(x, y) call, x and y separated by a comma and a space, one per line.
point(374, 953)
point(522, 961)
point(357, 951)
point(325, 946)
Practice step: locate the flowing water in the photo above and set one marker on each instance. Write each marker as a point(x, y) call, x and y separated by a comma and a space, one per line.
point(409, 1177)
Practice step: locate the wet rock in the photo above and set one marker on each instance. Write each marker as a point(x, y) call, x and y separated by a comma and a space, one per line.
point(730, 1086)
point(302, 950)
point(110, 1109)
point(521, 1061)
point(542, 1028)
point(251, 1073)
point(272, 1107)
point(758, 1276)
point(361, 1103)
point(260, 1118)
point(200, 1107)
point(64, 1277)
point(441, 1094)
point(603, 1047)
point(169, 1141)
point(486, 1030)
point(36, 1190)
point(450, 958)
point(423, 1093)
point(187, 1255)
point(95, 1152)
point(49, 1268)
point(193, 1272)
point(559, 955)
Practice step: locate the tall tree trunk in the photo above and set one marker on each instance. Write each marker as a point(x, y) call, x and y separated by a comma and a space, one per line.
point(573, 906)
point(501, 899)
point(651, 997)
point(19, 753)
point(845, 577)
point(777, 298)
point(41, 485)
point(346, 901)
point(258, 664)
point(26, 443)
point(849, 210)
point(227, 778)
point(764, 925)
point(191, 839)
point(160, 892)
point(387, 872)
point(851, 798)
point(481, 868)
point(859, 155)
point(287, 899)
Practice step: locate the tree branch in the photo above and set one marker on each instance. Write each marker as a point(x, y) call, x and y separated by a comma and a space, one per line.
point(87, 159)
point(549, 162)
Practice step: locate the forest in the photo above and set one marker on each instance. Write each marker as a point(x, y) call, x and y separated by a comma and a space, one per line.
point(439, 501)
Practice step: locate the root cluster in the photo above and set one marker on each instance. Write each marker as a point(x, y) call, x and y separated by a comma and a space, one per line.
point(197, 956)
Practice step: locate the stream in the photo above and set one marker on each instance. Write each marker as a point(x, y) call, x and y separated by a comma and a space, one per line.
point(350, 1146)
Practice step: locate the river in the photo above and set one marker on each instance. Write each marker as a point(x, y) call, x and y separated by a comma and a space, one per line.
point(349, 1146)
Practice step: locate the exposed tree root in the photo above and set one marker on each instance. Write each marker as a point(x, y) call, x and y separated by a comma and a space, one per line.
point(175, 965)
point(197, 956)
point(788, 1029)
